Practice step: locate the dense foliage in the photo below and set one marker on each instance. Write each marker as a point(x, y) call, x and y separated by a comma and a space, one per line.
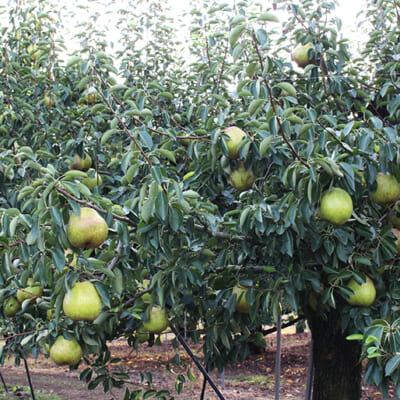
point(152, 117)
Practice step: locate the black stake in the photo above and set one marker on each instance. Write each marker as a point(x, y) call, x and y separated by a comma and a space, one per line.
point(203, 389)
point(29, 379)
point(199, 366)
point(4, 382)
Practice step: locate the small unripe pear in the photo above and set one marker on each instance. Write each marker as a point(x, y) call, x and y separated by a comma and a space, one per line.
point(235, 137)
point(242, 179)
point(300, 55)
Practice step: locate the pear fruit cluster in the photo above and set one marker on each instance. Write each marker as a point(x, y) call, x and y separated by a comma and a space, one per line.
point(241, 178)
point(81, 164)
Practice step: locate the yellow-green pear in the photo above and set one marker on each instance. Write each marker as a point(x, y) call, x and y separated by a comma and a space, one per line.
point(242, 305)
point(396, 233)
point(235, 137)
point(157, 320)
point(94, 179)
point(33, 51)
point(91, 96)
point(146, 297)
point(81, 164)
point(74, 260)
point(142, 335)
point(65, 352)
point(387, 189)
point(82, 302)
point(301, 55)
point(49, 100)
point(11, 306)
point(87, 230)
point(242, 178)
point(364, 294)
point(336, 206)
point(31, 291)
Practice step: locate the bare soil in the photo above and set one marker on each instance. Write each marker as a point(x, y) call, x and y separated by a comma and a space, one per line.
point(253, 379)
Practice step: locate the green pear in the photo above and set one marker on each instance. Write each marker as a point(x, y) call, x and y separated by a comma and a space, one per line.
point(364, 294)
point(387, 189)
point(49, 100)
point(301, 55)
point(81, 164)
point(82, 302)
point(33, 52)
point(11, 306)
point(157, 320)
point(65, 352)
point(336, 206)
point(396, 233)
point(142, 335)
point(94, 179)
point(235, 137)
point(146, 297)
point(91, 96)
point(242, 305)
point(74, 260)
point(242, 178)
point(87, 230)
point(32, 291)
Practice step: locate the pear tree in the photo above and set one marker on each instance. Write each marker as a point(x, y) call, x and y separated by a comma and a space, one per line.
point(223, 165)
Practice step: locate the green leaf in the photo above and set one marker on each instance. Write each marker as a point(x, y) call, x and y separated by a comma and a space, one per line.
point(392, 365)
point(268, 17)
point(255, 105)
point(161, 206)
point(356, 336)
point(146, 211)
point(235, 34)
point(288, 87)
point(167, 153)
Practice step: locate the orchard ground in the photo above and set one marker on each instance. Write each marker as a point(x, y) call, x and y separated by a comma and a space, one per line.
point(252, 379)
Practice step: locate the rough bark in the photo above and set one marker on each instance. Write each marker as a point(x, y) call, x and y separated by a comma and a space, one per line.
point(337, 367)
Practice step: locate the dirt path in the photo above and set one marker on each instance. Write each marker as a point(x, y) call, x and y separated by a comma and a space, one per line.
point(253, 379)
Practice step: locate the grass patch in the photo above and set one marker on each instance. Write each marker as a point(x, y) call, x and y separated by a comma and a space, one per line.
point(22, 393)
point(262, 380)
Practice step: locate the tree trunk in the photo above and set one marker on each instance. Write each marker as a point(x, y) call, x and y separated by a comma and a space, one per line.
point(337, 367)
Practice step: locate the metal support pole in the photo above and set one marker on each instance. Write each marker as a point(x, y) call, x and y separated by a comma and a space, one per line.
point(29, 379)
point(278, 353)
point(3, 382)
point(198, 365)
